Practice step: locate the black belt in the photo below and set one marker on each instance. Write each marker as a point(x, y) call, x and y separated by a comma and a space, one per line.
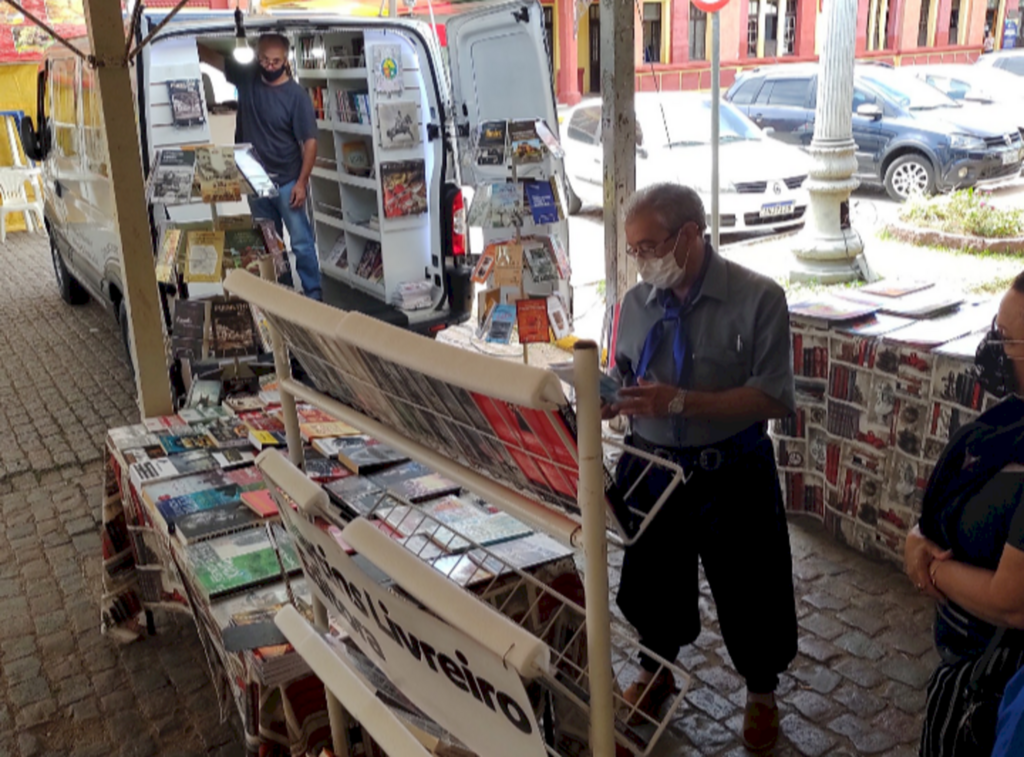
point(710, 457)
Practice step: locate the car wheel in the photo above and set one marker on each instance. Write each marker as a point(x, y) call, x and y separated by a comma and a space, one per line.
point(70, 290)
point(126, 339)
point(572, 199)
point(910, 175)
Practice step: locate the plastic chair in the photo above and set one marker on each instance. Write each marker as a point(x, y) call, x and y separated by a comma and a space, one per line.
point(15, 199)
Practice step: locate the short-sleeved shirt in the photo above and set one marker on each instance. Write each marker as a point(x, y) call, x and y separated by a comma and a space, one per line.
point(737, 335)
point(991, 519)
point(276, 120)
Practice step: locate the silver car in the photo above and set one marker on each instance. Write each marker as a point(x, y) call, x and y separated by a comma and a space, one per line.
point(761, 180)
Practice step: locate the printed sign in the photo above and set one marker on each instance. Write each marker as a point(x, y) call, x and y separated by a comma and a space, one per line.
point(464, 687)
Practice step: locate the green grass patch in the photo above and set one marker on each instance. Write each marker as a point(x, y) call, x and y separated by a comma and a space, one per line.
point(964, 212)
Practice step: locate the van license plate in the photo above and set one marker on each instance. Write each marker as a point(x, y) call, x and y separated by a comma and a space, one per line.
point(776, 209)
point(1011, 156)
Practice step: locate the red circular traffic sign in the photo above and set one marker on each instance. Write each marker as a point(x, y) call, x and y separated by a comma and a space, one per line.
point(710, 7)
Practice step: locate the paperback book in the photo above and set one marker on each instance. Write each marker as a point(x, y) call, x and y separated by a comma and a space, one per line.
point(502, 322)
point(425, 487)
point(240, 560)
point(526, 146)
point(262, 440)
point(188, 330)
point(217, 174)
point(205, 257)
point(539, 262)
point(542, 201)
point(260, 502)
point(491, 143)
point(173, 175)
point(233, 458)
point(186, 102)
point(532, 321)
point(356, 494)
point(367, 455)
point(243, 249)
point(229, 433)
point(405, 188)
point(234, 333)
point(326, 430)
point(399, 124)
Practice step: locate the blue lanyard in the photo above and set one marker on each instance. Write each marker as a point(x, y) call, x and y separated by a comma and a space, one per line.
point(674, 311)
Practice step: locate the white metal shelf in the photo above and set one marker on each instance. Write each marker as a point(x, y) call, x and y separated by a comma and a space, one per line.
point(352, 74)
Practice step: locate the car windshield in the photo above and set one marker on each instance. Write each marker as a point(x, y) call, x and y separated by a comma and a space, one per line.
point(686, 123)
point(909, 91)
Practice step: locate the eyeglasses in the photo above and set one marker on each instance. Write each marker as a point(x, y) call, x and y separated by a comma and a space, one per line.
point(997, 333)
point(650, 250)
point(272, 62)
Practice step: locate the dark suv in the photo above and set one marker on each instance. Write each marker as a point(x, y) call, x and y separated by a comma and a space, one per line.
point(910, 136)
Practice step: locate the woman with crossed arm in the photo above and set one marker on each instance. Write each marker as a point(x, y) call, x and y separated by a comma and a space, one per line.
point(967, 552)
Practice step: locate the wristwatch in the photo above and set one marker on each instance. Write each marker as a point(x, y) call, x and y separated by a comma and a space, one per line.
point(677, 404)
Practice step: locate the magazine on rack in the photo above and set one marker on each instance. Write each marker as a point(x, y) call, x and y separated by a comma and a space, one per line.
point(218, 174)
point(405, 188)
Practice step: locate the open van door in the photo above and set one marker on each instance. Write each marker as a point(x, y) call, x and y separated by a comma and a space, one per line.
point(499, 69)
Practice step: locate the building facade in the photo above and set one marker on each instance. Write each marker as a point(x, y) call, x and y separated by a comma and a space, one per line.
point(673, 37)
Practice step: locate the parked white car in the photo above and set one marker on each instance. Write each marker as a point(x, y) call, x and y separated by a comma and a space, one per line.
point(993, 90)
point(761, 180)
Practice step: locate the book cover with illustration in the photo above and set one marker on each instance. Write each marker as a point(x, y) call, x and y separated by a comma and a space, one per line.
point(491, 143)
point(205, 257)
point(217, 521)
point(243, 249)
point(532, 320)
point(173, 176)
point(217, 174)
point(170, 244)
point(525, 144)
point(539, 261)
point(405, 188)
point(425, 487)
point(387, 69)
point(543, 205)
point(186, 102)
point(399, 124)
point(234, 333)
point(502, 321)
point(246, 558)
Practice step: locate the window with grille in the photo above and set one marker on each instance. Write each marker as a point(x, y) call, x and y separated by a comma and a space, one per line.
point(698, 33)
point(652, 32)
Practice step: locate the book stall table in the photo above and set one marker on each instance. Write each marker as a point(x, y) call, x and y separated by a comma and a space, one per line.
point(191, 526)
point(880, 388)
point(400, 637)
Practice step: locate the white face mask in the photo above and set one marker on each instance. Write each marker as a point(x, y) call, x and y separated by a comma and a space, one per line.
point(663, 272)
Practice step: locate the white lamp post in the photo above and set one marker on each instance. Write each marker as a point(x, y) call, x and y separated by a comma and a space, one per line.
point(827, 248)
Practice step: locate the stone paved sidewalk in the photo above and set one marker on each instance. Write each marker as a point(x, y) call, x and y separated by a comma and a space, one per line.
point(856, 687)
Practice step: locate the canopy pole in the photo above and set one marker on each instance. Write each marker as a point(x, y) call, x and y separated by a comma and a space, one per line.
point(145, 317)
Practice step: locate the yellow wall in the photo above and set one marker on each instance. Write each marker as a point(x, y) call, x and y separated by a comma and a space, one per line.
point(18, 87)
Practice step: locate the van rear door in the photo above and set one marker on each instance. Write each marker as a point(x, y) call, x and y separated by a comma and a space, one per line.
point(499, 70)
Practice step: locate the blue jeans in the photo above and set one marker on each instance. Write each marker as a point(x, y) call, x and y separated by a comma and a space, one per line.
point(300, 231)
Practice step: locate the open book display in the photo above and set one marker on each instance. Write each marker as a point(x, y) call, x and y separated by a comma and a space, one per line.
point(504, 432)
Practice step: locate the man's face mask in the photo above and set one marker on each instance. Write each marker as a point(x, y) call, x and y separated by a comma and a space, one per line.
point(995, 368)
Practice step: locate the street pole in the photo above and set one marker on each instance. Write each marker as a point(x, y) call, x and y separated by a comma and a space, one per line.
point(827, 248)
point(716, 97)
point(618, 131)
point(105, 25)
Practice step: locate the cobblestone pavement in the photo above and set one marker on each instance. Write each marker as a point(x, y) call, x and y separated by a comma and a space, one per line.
point(856, 687)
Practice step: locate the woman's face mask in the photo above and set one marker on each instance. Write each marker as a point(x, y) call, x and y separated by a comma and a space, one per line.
point(996, 371)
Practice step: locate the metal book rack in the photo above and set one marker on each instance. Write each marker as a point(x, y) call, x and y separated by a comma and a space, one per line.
point(593, 654)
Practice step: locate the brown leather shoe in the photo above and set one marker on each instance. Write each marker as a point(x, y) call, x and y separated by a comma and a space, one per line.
point(760, 726)
point(651, 696)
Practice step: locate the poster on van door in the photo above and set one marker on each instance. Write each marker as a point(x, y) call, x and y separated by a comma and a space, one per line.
point(21, 41)
point(458, 683)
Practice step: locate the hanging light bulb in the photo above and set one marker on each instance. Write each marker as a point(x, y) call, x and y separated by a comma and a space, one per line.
point(243, 53)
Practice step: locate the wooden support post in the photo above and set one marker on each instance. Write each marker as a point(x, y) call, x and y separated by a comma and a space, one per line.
point(145, 328)
point(618, 132)
point(595, 550)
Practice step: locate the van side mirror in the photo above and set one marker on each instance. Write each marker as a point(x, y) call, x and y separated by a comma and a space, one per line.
point(768, 131)
point(31, 140)
point(869, 110)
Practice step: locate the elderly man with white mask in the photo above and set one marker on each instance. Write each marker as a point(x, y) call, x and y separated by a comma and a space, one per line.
point(703, 353)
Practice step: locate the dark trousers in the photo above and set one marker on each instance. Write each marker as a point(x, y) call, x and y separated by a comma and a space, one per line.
point(733, 519)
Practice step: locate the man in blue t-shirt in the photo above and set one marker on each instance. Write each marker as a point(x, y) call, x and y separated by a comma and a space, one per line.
point(275, 115)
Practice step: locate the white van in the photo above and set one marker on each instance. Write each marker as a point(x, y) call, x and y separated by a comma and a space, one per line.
point(496, 68)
